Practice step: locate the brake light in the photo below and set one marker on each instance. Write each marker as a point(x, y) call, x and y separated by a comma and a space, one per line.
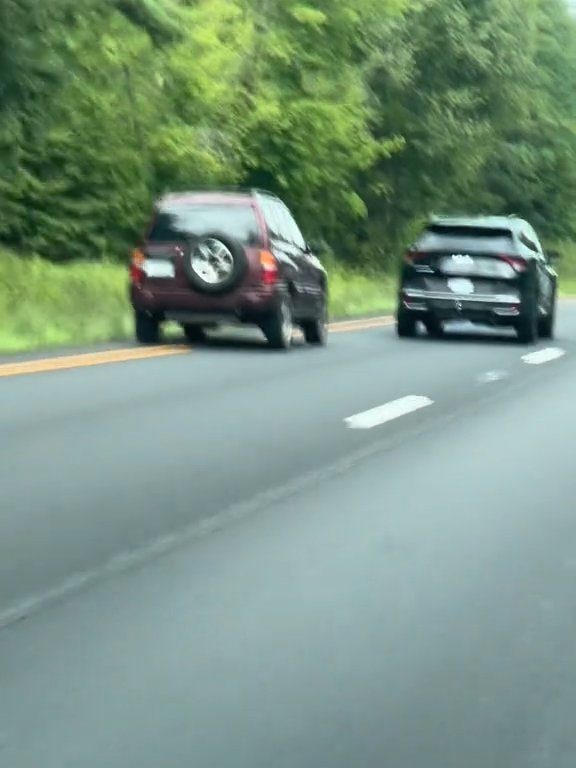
point(412, 257)
point(518, 264)
point(137, 273)
point(269, 267)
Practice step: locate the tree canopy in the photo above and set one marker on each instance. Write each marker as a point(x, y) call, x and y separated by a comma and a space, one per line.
point(366, 116)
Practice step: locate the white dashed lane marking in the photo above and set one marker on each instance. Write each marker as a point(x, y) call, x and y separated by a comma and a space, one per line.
point(489, 377)
point(542, 356)
point(387, 412)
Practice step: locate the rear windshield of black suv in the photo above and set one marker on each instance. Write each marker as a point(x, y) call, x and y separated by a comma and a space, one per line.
point(180, 221)
point(439, 237)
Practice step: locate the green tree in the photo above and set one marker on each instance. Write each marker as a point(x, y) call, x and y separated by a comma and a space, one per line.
point(365, 116)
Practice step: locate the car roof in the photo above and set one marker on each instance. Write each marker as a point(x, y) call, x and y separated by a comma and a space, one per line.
point(511, 223)
point(229, 196)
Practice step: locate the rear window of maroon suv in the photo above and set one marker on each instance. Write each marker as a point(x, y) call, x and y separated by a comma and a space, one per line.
point(179, 221)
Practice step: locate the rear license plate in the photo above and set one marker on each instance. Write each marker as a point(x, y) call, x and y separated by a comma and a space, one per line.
point(159, 268)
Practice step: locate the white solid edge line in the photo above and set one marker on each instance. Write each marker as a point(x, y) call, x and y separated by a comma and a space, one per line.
point(543, 356)
point(387, 412)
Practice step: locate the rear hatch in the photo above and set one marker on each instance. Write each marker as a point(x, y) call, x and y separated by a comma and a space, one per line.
point(174, 226)
point(465, 261)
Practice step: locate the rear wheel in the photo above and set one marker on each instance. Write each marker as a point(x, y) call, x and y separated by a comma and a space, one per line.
point(406, 325)
point(546, 324)
point(527, 327)
point(195, 334)
point(147, 327)
point(316, 331)
point(278, 327)
point(434, 328)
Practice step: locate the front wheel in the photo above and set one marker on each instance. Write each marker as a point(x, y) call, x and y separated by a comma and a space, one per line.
point(278, 327)
point(546, 324)
point(316, 331)
point(147, 327)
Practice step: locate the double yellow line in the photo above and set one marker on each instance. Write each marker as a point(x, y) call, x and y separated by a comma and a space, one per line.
point(89, 359)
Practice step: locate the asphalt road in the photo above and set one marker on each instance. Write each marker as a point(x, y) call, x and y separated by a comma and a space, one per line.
point(202, 563)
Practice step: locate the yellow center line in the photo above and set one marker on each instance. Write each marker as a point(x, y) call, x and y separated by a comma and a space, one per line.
point(364, 325)
point(85, 360)
point(89, 359)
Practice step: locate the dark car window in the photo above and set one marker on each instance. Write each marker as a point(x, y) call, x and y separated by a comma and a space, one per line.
point(530, 240)
point(462, 230)
point(525, 240)
point(462, 238)
point(285, 229)
point(277, 220)
point(297, 237)
point(182, 220)
point(273, 221)
point(283, 232)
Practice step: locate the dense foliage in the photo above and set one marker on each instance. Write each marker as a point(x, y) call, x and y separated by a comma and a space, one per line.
point(366, 115)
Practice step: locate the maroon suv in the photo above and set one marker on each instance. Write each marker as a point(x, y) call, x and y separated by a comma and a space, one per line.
point(217, 257)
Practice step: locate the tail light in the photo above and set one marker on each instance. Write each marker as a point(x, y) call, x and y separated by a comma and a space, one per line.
point(137, 273)
point(516, 262)
point(269, 267)
point(411, 257)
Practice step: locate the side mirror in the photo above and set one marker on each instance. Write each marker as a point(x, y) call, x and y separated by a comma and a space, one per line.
point(553, 255)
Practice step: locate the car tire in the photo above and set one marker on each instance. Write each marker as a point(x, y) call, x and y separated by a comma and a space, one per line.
point(195, 334)
point(316, 331)
point(210, 254)
point(278, 327)
point(527, 326)
point(546, 324)
point(147, 327)
point(434, 328)
point(406, 325)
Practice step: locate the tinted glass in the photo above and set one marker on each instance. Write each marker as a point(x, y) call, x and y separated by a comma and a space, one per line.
point(179, 221)
point(462, 238)
point(283, 225)
point(297, 237)
point(271, 215)
point(467, 231)
point(525, 240)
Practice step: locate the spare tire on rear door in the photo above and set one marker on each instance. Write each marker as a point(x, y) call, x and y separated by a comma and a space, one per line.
point(215, 263)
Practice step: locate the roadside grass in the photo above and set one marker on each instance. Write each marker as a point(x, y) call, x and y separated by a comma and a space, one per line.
point(359, 294)
point(566, 267)
point(45, 305)
point(48, 305)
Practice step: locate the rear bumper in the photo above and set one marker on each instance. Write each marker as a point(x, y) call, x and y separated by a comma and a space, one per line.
point(489, 308)
point(188, 307)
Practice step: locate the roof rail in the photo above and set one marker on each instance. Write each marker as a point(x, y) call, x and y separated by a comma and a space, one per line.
point(257, 191)
point(222, 188)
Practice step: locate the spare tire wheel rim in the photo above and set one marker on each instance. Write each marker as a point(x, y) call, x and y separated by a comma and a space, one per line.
point(212, 261)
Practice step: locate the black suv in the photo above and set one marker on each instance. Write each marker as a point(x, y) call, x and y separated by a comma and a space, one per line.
point(488, 270)
point(222, 256)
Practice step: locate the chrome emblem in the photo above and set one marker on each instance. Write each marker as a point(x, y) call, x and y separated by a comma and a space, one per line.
point(459, 306)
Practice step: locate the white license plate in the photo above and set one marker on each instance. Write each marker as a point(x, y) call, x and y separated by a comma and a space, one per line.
point(159, 268)
point(461, 285)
